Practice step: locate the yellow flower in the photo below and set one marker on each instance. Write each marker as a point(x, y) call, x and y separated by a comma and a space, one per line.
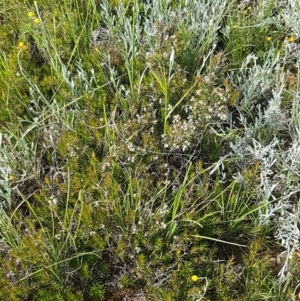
point(37, 21)
point(234, 26)
point(249, 7)
point(269, 38)
point(21, 45)
point(11, 177)
point(194, 278)
point(30, 14)
point(291, 39)
point(298, 295)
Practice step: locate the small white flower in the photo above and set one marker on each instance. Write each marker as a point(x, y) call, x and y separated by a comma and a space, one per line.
point(133, 229)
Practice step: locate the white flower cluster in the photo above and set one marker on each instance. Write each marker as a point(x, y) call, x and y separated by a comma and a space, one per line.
point(184, 133)
point(180, 134)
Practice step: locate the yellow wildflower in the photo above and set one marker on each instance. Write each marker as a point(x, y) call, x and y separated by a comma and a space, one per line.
point(194, 278)
point(298, 295)
point(21, 45)
point(37, 21)
point(249, 7)
point(11, 177)
point(290, 39)
point(30, 14)
point(269, 38)
point(234, 26)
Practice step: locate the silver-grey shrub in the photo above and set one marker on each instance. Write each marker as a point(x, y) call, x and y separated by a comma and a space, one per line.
point(270, 136)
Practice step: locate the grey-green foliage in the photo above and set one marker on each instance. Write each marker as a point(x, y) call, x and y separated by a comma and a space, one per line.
point(271, 138)
point(198, 19)
point(17, 160)
point(145, 27)
point(255, 80)
point(291, 16)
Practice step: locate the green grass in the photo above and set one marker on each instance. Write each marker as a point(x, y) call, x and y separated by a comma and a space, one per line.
point(146, 142)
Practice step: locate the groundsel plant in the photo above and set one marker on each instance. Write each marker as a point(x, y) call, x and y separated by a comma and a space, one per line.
point(197, 294)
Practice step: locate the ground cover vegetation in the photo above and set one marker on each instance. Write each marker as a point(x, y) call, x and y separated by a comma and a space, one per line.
point(149, 150)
